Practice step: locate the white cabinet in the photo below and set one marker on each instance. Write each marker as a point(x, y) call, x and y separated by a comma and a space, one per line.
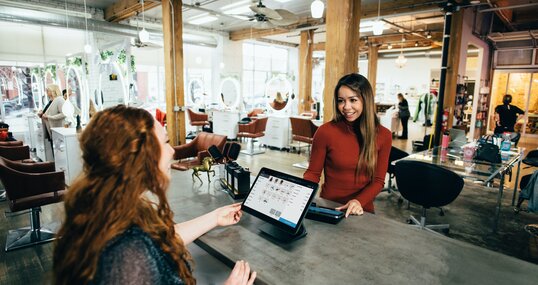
point(67, 153)
point(277, 132)
point(225, 123)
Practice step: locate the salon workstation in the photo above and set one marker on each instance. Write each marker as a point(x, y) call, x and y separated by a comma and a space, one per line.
point(268, 142)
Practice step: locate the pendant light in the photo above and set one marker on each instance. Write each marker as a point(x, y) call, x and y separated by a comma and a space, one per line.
point(378, 26)
point(143, 35)
point(401, 60)
point(87, 46)
point(317, 8)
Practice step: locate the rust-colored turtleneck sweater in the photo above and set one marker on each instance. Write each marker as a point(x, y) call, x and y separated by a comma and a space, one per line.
point(335, 150)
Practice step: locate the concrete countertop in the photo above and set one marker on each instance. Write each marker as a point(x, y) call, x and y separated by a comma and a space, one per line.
point(366, 249)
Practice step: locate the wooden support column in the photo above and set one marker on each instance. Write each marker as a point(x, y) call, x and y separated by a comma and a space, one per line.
point(173, 68)
point(305, 70)
point(341, 47)
point(454, 54)
point(372, 64)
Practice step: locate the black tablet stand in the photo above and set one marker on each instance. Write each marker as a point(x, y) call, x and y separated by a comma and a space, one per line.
point(281, 235)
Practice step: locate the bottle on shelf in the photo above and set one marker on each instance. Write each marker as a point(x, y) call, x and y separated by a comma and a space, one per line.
point(506, 142)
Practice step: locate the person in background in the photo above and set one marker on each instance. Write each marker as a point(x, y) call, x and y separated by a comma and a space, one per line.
point(404, 114)
point(352, 149)
point(506, 116)
point(52, 115)
point(118, 226)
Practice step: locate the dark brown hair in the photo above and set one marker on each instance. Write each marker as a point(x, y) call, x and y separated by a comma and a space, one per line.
point(365, 127)
point(121, 155)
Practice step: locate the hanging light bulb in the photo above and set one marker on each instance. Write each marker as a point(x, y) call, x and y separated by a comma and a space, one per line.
point(389, 46)
point(317, 8)
point(143, 35)
point(87, 48)
point(429, 35)
point(378, 26)
point(416, 43)
point(401, 60)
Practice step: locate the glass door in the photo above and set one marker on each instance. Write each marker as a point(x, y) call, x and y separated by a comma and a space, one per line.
point(523, 86)
point(532, 113)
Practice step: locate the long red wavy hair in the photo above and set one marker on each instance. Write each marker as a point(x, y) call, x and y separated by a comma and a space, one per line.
point(121, 185)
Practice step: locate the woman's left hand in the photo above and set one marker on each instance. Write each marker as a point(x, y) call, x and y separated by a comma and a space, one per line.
point(228, 215)
point(353, 207)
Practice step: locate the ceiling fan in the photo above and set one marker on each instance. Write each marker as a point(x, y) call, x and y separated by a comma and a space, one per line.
point(268, 18)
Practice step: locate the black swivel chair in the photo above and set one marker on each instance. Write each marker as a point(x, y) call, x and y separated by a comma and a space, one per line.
point(395, 154)
point(427, 185)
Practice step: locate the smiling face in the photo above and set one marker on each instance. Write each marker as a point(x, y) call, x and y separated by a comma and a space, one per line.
point(349, 104)
point(167, 152)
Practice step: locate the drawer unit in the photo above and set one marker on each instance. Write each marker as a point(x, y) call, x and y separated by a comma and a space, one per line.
point(225, 123)
point(67, 153)
point(277, 132)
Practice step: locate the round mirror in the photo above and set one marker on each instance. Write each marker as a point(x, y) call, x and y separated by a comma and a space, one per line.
point(278, 91)
point(195, 91)
point(230, 92)
point(113, 89)
point(74, 89)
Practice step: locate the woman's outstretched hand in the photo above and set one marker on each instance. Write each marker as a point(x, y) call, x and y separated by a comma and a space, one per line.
point(228, 215)
point(241, 274)
point(353, 207)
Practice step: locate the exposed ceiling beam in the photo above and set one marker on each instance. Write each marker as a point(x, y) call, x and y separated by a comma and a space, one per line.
point(124, 9)
point(252, 33)
point(505, 15)
point(275, 42)
point(369, 11)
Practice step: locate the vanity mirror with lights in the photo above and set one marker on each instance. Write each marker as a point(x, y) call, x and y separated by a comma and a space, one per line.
point(112, 86)
point(195, 92)
point(278, 92)
point(230, 93)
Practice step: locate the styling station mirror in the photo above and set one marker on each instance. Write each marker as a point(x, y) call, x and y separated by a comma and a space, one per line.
point(230, 93)
point(37, 91)
point(76, 95)
point(112, 86)
point(278, 92)
point(195, 91)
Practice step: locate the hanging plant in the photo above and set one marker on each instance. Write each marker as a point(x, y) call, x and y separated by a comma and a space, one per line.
point(38, 71)
point(52, 69)
point(106, 54)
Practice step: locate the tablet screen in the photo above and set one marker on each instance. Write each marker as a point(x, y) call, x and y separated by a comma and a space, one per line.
point(280, 199)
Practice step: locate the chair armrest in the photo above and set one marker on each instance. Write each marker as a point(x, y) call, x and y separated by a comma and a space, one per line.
point(185, 150)
point(36, 167)
point(38, 183)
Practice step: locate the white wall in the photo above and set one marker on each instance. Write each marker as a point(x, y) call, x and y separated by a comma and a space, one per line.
point(415, 74)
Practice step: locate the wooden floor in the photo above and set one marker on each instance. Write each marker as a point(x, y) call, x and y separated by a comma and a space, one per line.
point(469, 217)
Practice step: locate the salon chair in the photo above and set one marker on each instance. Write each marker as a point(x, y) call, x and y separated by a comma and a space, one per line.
point(192, 153)
point(252, 130)
point(427, 185)
point(303, 131)
point(17, 152)
point(395, 154)
point(198, 120)
point(28, 187)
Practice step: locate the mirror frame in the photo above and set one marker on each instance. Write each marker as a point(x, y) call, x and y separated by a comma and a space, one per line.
point(237, 86)
point(38, 104)
point(83, 93)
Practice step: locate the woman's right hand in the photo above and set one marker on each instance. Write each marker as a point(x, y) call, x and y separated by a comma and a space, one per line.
point(241, 274)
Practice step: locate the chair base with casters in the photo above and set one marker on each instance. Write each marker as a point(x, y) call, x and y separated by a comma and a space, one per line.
point(29, 236)
point(422, 224)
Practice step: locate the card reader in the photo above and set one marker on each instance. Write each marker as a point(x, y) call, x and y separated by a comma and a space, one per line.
point(326, 215)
